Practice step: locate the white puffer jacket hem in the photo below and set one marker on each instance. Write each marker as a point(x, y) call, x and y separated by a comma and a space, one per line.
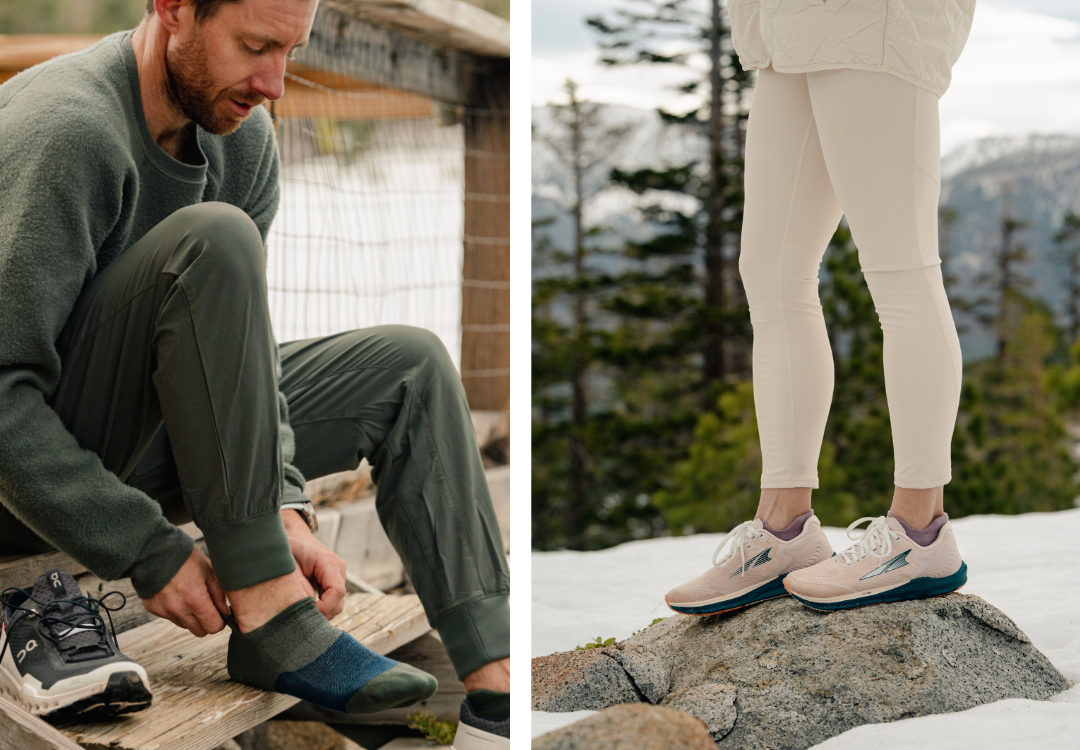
point(916, 40)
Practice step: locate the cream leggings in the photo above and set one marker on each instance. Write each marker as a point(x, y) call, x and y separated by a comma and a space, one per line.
point(864, 144)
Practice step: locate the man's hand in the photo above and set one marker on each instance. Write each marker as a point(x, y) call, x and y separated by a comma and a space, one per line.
point(193, 599)
point(322, 570)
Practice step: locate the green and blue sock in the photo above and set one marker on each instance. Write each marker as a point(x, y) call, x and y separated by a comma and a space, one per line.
point(299, 653)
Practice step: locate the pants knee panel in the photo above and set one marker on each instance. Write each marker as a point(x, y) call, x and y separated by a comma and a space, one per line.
point(418, 349)
point(228, 236)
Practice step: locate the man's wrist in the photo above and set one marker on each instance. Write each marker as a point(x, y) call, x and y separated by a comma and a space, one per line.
point(294, 518)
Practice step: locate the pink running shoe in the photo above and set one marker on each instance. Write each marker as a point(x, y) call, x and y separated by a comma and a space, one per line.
point(885, 566)
point(751, 570)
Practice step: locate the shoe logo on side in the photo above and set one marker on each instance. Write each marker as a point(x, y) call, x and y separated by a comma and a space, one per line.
point(758, 559)
point(897, 562)
point(30, 646)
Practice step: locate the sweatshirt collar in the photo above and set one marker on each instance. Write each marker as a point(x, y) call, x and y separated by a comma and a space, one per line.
point(154, 152)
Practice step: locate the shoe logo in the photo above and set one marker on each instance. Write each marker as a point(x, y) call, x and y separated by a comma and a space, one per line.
point(758, 559)
point(30, 646)
point(897, 562)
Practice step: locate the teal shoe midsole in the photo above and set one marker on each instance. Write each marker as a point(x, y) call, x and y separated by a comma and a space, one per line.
point(769, 590)
point(916, 588)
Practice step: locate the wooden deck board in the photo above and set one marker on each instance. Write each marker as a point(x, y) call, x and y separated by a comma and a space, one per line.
point(197, 707)
point(21, 730)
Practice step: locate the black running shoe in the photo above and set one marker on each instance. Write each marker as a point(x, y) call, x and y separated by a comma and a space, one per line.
point(57, 658)
point(476, 732)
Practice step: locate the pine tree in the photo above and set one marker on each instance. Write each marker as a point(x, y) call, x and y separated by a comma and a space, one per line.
point(1067, 255)
point(568, 333)
point(678, 33)
point(1003, 283)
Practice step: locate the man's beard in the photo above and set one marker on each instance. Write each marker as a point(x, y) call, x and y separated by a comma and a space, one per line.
point(193, 91)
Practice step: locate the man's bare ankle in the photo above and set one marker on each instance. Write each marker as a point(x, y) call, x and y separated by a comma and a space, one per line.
point(495, 675)
point(254, 606)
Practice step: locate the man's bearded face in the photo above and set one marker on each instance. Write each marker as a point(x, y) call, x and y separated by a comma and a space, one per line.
point(193, 90)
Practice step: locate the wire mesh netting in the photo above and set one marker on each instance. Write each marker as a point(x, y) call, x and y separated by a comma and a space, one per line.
point(371, 224)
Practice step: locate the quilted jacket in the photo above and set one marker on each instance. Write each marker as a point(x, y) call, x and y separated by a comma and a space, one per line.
point(917, 40)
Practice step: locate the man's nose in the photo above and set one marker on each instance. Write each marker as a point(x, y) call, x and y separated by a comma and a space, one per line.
point(269, 79)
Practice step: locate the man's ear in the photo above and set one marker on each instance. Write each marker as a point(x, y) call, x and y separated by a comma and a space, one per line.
point(172, 13)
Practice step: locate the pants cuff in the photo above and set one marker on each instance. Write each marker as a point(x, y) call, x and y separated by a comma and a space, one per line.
point(250, 552)
point(922, 483)
point(780, 483)
point(477, 633)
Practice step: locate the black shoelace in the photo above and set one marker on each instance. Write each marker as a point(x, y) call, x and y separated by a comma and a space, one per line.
point(84, 615)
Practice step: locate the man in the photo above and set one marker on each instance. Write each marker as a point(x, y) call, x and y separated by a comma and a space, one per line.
point(140, 386)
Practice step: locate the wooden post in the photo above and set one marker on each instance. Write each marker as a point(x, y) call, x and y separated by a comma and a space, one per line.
point(485, 292)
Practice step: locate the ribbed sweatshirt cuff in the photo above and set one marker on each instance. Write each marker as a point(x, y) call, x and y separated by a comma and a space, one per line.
point(477, 633)
point(160, 558)
point(249, 552)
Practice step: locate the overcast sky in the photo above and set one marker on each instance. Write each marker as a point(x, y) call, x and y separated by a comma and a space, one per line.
point(1018, 74)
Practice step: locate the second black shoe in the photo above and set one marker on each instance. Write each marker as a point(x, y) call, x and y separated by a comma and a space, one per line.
point(57, 657)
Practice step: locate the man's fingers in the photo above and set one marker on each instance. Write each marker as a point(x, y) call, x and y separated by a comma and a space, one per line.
point(190, 623)
point(333, 585)
point(208, 616)
point(217, 594)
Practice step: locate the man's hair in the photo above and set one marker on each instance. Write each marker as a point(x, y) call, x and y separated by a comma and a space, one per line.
point(204, 9)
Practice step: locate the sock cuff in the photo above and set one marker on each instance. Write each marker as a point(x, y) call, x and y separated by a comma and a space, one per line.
point(792, 530)
point(923, 537)
point(293, 639)
point(489, 704)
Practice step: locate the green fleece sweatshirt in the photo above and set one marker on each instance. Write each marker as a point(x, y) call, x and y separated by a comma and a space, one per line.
point(81, 180)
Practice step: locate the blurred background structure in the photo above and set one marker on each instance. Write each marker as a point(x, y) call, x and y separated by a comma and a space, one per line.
point(643, 410)
point(394, 140)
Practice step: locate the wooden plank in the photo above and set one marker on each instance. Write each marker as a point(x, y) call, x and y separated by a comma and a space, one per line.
point(197, 707)
point(342, 44)
point(449, 23)
point(23, 571)
point(363, 545)
point(490, 426)
point(21, 51)
point(314, 93)
point(21, 730)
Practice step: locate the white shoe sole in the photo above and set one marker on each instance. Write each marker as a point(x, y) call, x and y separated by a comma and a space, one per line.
point(471, 738)
point(124, 686)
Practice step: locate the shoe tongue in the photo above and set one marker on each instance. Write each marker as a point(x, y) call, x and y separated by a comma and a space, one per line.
point(78, 631)
point(895, 525)
point(757, 524)
point(55, 584)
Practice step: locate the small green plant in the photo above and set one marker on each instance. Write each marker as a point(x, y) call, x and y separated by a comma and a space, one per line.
point(658, 619)
point(598, 643)
point(442, 732)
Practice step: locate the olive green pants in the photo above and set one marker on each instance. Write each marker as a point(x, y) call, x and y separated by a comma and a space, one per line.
point(169, 376)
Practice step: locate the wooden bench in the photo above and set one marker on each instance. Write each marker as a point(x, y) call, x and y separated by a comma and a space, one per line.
point(196, 706)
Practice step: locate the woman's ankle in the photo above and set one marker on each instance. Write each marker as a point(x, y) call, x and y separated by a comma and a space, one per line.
point(778, 507)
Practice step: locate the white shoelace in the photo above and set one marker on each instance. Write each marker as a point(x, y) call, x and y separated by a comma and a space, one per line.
point(876, 540)
point(738, 537)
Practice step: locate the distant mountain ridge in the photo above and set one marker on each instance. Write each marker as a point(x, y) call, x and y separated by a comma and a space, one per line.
point(1042, 170)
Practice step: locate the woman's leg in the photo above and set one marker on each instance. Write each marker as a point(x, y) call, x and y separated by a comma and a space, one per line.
point(880, 139)
point(790, 215)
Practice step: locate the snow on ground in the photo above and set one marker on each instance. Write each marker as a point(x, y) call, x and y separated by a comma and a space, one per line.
point(1024, 565)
